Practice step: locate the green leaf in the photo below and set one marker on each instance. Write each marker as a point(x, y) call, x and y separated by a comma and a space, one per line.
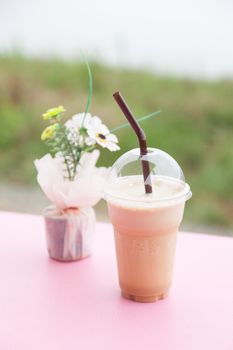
point(138, 120)
point(90, 84)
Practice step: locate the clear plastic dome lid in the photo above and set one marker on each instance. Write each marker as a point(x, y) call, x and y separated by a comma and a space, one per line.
point(166, 177)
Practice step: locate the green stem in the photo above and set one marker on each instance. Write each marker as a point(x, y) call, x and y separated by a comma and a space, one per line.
point(71, 154)
point(78, 159)
point(67, 168)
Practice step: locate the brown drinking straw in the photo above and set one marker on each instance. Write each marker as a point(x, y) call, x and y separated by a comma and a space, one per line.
point(141, 139)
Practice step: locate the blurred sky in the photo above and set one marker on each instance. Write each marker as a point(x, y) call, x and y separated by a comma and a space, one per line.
point(192, 38)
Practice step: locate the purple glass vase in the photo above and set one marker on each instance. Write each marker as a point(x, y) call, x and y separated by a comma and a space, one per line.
point(69, 233)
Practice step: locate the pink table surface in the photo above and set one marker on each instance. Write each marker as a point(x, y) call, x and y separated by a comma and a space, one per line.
point(50, 305)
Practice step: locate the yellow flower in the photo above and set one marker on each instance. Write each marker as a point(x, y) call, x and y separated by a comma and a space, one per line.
point(53, 112)
point(49, 132)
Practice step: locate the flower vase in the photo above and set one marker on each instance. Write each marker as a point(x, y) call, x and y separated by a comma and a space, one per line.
point(69, 233)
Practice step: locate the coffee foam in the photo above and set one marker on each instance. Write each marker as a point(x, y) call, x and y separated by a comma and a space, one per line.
point(130, 191)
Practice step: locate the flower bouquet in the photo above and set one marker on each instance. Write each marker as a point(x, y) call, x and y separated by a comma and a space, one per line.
point(70, 179)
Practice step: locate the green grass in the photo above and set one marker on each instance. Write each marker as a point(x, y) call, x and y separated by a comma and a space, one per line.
point(195, 126)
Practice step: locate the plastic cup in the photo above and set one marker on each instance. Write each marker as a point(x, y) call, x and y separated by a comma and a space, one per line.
point(146, 226)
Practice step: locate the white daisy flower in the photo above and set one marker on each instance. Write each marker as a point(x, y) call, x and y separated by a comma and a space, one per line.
point(77, 130)
point(99, 132)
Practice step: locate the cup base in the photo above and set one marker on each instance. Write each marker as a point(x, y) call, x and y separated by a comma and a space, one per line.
point(67, 260)
point(144, 299)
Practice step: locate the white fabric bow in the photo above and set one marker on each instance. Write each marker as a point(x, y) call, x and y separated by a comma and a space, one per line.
point(86, 189)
